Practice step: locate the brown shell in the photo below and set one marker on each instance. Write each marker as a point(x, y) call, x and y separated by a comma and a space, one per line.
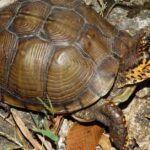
point(59, 49)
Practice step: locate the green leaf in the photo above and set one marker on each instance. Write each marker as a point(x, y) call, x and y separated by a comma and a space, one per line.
point(47, 134)
point(48, 106)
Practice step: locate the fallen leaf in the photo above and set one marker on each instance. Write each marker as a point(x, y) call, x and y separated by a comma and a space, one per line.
point(82, 137)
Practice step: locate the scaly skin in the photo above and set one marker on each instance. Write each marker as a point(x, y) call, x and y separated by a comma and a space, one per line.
point(113, 118)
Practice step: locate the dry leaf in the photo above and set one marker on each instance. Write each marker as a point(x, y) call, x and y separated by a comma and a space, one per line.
point(83, 137)
point(104, 142)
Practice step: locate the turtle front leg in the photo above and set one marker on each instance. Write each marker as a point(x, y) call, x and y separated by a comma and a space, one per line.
point(113, 118)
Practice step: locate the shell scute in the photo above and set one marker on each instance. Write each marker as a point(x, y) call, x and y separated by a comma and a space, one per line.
point(7, 15)
point(65, 3)
point(30, 18)
point(96, 20)
point(27, 75)
point(65, 79)
point(8, 41)
point(63, 25)
point(107, 71)
point(96, 45)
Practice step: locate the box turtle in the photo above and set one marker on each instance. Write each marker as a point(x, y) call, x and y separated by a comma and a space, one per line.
point(64, 51)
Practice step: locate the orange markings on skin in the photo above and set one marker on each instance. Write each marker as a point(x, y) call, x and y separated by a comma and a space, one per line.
point(141, 72)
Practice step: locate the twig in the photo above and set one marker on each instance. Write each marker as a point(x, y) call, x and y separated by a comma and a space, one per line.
point(25, 131)
point(46, 143)
point(7, 119)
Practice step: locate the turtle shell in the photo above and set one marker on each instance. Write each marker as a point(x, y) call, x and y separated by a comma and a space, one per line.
point(59, 50)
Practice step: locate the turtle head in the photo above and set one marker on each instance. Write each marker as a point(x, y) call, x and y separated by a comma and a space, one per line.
point(137, 67)
point(140, 71)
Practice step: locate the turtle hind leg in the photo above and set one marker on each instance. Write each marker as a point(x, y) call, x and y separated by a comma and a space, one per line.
point(117, 125)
